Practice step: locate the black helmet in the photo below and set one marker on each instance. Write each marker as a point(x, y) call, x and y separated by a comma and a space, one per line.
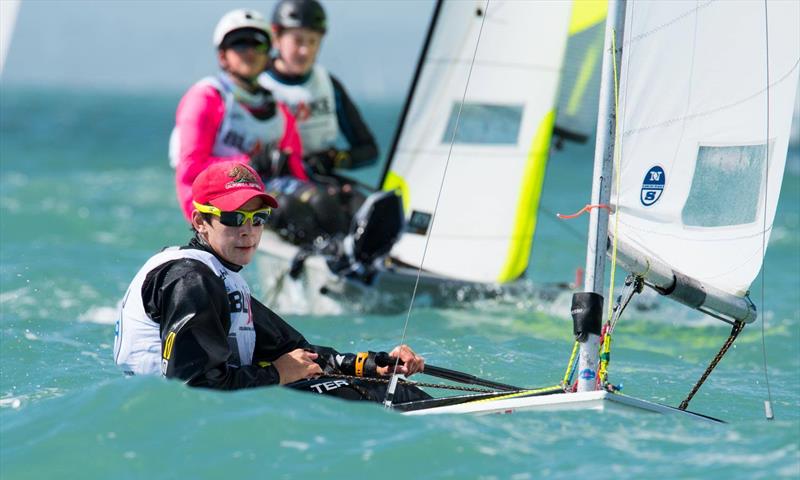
point(300, 14)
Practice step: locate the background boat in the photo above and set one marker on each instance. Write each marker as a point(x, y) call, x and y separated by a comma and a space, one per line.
point(468, 159)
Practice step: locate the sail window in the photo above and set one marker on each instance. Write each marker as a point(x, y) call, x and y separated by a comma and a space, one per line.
point(419, 222)
point(726, 188)
point(482, 123)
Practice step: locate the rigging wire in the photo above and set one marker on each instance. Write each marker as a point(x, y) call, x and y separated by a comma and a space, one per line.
point(619, 120)
point(617, 161)
point(768, 402)
point(393, 384)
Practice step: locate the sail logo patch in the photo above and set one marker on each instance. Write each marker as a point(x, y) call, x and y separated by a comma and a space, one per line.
point(587, 374)
point(652, 186)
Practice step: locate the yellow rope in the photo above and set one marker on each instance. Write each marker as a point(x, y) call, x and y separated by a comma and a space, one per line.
point(605, 357)
point(605, 348)
point(523, 393)
point(617, 161)
point(570, 365)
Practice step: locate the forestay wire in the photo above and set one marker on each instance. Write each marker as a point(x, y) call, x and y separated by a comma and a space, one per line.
point(393, 383)
point(768, 402)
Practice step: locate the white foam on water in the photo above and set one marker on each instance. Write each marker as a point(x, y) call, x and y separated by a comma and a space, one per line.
point(20, 296)
point(743, 459)
point(302, 446)
point(16, 401)
point(99, 315)
point(10, 402)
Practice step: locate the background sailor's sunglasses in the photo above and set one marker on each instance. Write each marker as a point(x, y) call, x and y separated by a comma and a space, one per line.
point(244, 45)
point(236, 218)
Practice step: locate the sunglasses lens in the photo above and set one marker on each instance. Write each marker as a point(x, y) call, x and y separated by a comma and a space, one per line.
point(231, 219)
point(237, 219)
point(260, 219)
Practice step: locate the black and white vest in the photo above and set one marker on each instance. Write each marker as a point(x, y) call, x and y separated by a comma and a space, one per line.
point(137, 339)
point(240, 131)
point(313, 103)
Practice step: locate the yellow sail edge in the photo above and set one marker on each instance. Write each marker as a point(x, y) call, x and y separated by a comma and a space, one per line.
point(528, 204)
point(586, 14)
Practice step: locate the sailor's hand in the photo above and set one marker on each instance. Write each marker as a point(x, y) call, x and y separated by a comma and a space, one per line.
point(412, 363)
point(269, 161)
point(325, 162)
point(297, 365)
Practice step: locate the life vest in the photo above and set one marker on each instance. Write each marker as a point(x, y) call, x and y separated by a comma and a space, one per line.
point(240, 131)
point(137, 338)
point(313, 104)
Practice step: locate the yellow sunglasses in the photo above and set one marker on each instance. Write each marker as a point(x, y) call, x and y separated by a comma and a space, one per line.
point(236, 218)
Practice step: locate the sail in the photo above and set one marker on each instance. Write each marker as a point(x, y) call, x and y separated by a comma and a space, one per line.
point(8, 18)
point(706, 96)
point(486, 215)
point(580, 85)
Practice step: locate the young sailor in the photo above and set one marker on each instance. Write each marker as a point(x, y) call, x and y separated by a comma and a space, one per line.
point(323, 109)
point(230, 116)
point(188, 313)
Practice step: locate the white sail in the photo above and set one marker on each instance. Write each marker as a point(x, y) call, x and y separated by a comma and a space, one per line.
point(706, 98)
point(487, 213)
point(8, 18)
point(580, 78)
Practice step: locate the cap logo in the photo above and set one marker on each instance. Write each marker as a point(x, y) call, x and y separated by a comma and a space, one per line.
point(242, 177)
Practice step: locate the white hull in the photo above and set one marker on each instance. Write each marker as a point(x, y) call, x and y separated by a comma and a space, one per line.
point(317, 290)
point(595, 400)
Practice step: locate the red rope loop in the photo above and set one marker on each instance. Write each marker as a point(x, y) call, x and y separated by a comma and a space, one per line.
point(582, 211)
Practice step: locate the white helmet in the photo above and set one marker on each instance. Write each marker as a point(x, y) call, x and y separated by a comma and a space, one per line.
point(237, 20)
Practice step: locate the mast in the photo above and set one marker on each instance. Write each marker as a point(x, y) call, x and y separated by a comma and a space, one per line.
point(417, 72)
point(601, 191)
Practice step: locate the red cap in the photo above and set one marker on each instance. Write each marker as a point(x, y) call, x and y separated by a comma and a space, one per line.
point(228, 186)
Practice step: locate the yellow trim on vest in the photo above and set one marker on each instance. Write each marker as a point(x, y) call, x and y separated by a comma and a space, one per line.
point(361, 359)
point(394, 181)
point(168, 343)
point(586, 14)
point(525, 222)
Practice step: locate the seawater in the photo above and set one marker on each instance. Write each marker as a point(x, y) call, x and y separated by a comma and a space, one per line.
point(86, 196)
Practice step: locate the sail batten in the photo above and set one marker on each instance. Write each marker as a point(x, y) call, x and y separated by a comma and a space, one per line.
point(703, 147)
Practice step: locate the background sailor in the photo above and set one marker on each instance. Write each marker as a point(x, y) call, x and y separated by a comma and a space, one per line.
point(229, 116)
point(325, 113)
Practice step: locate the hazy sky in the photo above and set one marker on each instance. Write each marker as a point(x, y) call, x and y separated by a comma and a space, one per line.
point(372, 45)
point(150, 44)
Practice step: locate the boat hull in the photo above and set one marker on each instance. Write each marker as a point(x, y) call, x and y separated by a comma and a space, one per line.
point(318, 290)
point(595, 400)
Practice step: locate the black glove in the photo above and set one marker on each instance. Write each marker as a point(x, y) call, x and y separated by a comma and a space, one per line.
point(324, 163)
point(269, 162)
point(362, 364)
